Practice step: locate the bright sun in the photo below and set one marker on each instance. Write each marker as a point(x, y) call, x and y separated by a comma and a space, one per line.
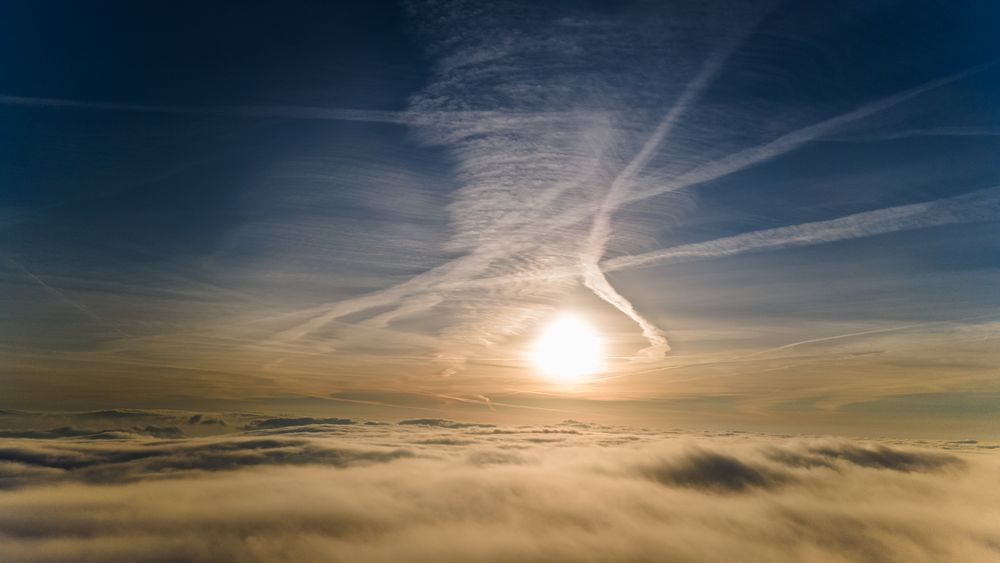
point(567, 350)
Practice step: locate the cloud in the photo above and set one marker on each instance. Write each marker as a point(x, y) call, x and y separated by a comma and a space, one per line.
point(548, 155)
point(108, 434)
point(269, 423)
point(713, 471)
point(428, 492)
point(287, 112)
point(118, 413)
point(206, 420)
point(132, 460)
point(557, 127)
point(882, 457)
point(546, 147)
point(980, 205)
point(442, 423)
point(162, 431)
point(61, 432)
point(621, 186)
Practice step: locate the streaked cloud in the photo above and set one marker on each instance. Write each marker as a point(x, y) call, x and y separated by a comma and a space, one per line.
point(977, 206)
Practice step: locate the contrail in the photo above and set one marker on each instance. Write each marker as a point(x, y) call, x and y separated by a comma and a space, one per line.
point(290, 112)
point(65, 299)
point(977, 206)
point(601, 229)
point(791, 141)
point(866, 333)
point(968, 131)
point(595, 280)
point(457, 271)
point(409, 117)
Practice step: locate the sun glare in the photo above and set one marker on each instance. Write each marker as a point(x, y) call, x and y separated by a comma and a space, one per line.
point(568, 350)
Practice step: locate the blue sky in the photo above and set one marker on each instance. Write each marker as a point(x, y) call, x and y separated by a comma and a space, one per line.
point(777, 215)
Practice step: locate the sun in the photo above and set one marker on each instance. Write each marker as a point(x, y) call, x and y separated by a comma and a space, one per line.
point(568, 350)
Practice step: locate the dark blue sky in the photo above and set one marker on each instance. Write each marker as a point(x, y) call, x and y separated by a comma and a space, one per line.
point(236, 201)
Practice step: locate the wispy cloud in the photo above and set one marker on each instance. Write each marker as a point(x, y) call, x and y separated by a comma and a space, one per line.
point(790, 141)
point(620, 188)
point(74, 303)
point(980, 205)
point(287, 112)
point(536, 210)
point(548, 147)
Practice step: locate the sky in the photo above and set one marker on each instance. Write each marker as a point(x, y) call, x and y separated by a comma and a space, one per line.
point(777, 216)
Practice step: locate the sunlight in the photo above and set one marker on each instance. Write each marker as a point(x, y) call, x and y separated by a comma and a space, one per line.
point(567, 350)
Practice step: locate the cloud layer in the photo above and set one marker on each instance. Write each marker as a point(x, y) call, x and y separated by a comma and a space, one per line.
point(439, 490)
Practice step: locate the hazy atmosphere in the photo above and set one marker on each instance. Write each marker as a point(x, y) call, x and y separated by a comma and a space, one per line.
point(494, 281)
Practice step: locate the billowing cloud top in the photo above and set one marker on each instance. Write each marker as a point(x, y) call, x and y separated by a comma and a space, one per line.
point(441, 490)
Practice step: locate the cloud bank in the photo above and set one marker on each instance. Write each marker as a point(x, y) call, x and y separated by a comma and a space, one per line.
point(440, 490)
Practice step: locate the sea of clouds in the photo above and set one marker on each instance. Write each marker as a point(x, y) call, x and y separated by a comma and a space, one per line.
point(333, 489)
